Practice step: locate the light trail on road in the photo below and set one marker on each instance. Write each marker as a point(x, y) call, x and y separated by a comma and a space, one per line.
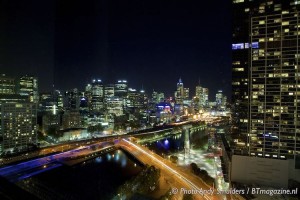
point(169, 168)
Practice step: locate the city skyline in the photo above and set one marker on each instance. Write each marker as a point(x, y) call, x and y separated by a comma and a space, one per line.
point(192, 92)
point(143, 42)
point(150, 99)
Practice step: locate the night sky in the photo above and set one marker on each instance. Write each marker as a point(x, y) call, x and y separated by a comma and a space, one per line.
point(150, 43)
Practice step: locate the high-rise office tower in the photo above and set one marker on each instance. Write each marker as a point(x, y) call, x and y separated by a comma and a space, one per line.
point(121, 88)
point(72, 99)
point(97, 95)
point(186, 93)
point(202, 95)
point(17, 117)
point(205, 96)
point(265, 83)
point(179, 93)
point(274, 85)
point(220, 99)
point(157, 97)
point(109, 90)
point(7, 84)
point(115, 106)
point(18, 123)
point(29, 87)
point(154, 98)
point(250, 42)
point(135, 100)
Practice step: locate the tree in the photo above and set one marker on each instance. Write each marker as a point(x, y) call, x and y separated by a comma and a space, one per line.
point(99, 128)
point(174, 159)
point(193, 167)
point(91, 129)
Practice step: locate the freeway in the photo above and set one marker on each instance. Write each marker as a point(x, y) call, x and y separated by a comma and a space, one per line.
point(181, 179)
point(74, 144)
point(17, 172)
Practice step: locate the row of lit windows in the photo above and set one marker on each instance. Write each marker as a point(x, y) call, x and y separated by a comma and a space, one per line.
point(237, 46)
point(238, 69)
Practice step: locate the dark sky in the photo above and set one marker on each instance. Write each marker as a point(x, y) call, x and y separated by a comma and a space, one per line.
point(150, 43)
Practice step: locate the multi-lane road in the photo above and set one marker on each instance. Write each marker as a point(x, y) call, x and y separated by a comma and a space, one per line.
point(183, 182)
point(26, 169)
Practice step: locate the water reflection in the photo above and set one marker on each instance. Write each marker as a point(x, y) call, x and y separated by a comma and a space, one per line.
point(117, 157)
point(98, 160)
point(98, 177)
point(175, 143)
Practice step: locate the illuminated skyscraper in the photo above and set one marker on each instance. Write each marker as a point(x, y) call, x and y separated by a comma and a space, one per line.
point(157, 97)
point(109, 90)
point(72, 99)
point(18, 118)
point(115, 106)
point(264, 61)
point(274, 129)
point(18, 124)
point(186, 93)
point(121, 88)
point(29, 88)
point(202, 95)
point(266, 92)
point(97, 96)
point(136, 100)
point(179, 93)
point(7, 84)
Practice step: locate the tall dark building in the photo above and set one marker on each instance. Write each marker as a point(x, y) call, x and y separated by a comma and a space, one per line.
point(243, 47)
point(266, 92)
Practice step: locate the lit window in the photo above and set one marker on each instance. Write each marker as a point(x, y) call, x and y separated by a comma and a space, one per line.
point(236, 63)
point(238, 69)
point(277, 20)
point(238, 1)
point(237, 46)
point(277, 53)
point(254, 45)
point(285, 23)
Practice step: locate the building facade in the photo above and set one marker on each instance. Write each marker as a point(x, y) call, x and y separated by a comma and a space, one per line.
point(28, 86)
point(18, 126)
point(7, 85)
point(121, 87)
point(249, 44)
point(179, 93)
point(274, 128)
point(265, 84)
point(97, 102)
